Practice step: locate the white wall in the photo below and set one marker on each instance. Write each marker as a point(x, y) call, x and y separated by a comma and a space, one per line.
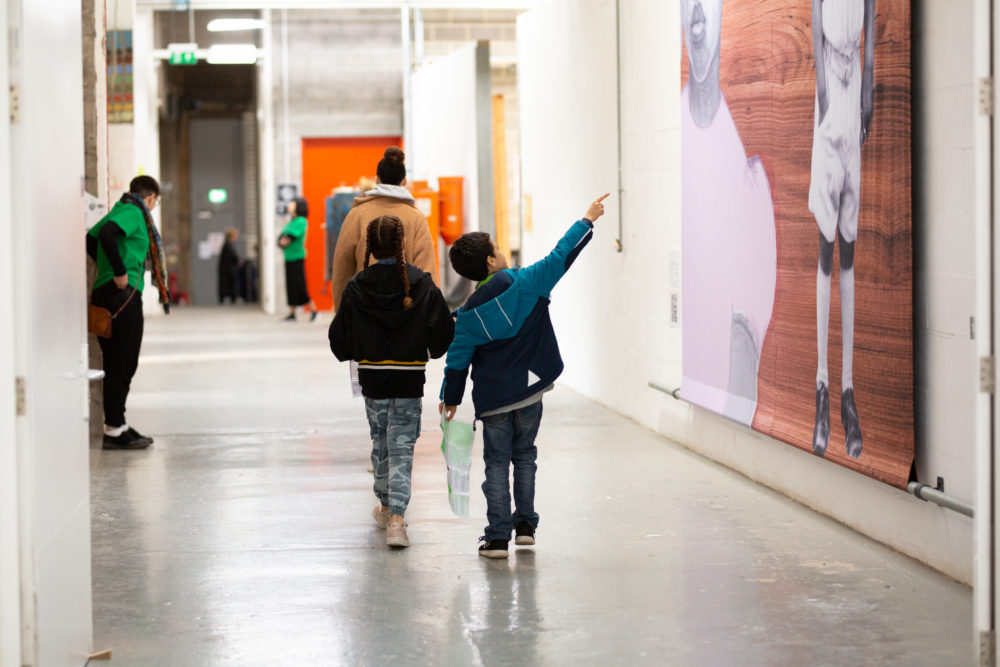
point(445, 139)
point(345, 79)
point(611, 311)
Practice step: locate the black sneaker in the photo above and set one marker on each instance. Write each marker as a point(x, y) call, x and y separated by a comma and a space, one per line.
point(290, 318)
point(849, 418)
point(524, 534)
point(129, 439)
point(492, 548)
point(315, 314)
point(821, 432)
point(139, 436)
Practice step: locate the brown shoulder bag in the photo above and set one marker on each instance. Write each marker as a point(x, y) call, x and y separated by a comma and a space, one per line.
point(99, 319)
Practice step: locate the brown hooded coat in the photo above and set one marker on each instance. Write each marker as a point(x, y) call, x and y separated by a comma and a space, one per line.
point(349, 257)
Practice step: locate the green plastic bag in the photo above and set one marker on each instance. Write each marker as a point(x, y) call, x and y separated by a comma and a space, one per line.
point(456, 445)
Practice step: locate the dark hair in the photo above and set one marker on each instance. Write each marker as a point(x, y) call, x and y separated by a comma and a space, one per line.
point(385, 240)
point(144, 186)
point(469, 253)
point(391, 169)
point(301, 207)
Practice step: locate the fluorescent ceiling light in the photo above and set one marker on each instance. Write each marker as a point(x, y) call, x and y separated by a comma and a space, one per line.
point(231, 25)
point(232, 54)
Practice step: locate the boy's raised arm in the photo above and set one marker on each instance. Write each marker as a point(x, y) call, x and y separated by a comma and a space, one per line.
point(543, 275)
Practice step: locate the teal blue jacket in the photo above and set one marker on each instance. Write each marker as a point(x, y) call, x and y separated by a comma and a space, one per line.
point(505, 334)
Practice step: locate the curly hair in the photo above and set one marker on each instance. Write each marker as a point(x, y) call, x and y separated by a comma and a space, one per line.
point(385, 240)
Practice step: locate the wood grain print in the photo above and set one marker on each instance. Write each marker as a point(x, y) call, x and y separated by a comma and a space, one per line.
point(768, 80)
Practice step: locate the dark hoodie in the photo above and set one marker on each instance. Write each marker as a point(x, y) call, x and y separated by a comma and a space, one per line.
point(390, 344)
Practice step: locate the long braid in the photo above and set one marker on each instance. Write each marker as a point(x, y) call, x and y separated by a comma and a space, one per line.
point(370, 235)
point(407, 300)
point(383, 231)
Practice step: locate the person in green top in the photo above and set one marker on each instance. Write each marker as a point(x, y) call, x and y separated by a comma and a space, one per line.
point(119, 243)
point(293, 241)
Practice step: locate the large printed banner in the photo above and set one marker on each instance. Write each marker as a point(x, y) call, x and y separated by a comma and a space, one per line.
point(796, 224)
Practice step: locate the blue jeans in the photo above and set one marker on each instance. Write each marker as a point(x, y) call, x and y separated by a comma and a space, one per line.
point(395, 427)
point(508, 438)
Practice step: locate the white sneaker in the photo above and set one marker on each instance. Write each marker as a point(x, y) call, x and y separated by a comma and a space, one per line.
point(395, 535)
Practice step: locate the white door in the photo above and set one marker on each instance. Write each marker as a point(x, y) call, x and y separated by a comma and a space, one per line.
point(10, 569)
point(49, 292)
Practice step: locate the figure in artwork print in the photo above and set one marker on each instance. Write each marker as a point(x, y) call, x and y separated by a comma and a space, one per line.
point(843, 116)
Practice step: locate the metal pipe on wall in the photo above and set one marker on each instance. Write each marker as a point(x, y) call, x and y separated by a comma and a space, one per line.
point(404, 26)
point(619, 242)
point(286, 133)
point(419, 51)
point(922, 491)
point(932, 495)
point(265, 124)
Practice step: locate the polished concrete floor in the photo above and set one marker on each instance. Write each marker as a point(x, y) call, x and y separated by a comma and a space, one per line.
point(244, 537)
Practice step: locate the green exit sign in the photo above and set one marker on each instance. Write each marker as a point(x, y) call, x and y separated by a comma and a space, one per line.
point(183, 58)
point(217, 196)
point(183, 54)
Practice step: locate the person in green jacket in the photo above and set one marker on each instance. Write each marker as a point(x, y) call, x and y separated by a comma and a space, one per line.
point(119, 243)
point(293, 241)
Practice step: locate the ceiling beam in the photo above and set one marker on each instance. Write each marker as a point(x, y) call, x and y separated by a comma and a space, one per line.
point(338, 4)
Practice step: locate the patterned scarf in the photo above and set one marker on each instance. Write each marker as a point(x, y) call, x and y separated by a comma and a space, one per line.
point(156, 256)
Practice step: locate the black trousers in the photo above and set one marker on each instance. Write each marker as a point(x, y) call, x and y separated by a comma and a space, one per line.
point(121, 351)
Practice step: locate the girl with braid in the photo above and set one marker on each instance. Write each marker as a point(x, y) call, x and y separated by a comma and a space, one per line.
point(392, 316)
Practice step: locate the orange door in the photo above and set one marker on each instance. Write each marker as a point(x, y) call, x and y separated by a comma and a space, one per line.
point(328, 163)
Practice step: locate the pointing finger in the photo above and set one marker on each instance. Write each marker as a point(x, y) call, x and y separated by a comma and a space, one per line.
point(602, 197)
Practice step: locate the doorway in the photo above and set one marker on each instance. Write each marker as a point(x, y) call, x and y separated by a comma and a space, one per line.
point(217, 197)
point(329, 163)
point(208, 148)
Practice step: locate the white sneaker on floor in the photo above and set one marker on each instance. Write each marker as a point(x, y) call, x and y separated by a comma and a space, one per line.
point(395, 535)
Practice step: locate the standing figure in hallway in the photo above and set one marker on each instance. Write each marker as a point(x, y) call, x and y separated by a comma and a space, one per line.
point(843, 115)
point(505, 334)
point(391, 316)
point(388, 197)
point(119, 243)
point(229, 267)
point(729, 252)
point(338, 205)
point(293, 241)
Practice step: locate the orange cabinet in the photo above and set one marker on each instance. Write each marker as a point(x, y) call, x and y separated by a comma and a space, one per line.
point(450, 190)
point(429, 204)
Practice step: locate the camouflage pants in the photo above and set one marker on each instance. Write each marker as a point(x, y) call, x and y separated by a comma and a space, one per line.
point(395, 426)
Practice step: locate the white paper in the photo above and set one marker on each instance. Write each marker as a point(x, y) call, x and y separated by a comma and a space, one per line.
point(205, 250)
point(217, 240)
point(93, 209)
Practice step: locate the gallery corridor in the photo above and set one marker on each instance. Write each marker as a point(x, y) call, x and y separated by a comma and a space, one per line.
point(244, 537)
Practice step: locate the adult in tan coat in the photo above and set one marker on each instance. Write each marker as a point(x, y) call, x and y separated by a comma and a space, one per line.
point(389, 197)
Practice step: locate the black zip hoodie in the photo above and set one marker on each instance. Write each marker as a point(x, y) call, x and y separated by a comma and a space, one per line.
point(390, 344)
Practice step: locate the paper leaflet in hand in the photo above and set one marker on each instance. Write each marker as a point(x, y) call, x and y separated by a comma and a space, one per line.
point(456, 445)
